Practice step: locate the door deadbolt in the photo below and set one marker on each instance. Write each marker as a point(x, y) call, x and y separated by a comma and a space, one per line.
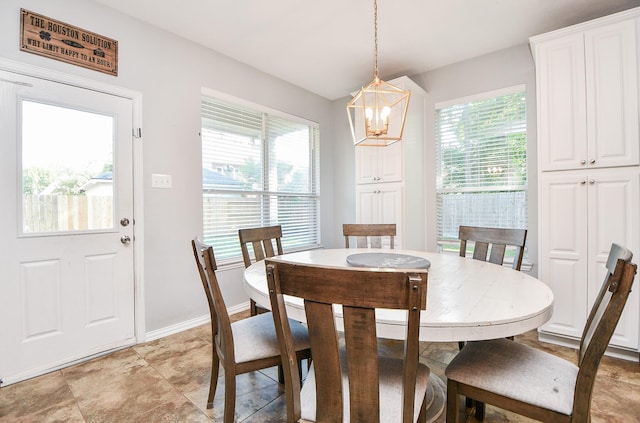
point(124, 221)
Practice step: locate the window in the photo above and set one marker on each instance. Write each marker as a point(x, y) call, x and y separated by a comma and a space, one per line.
point(259, 168)
point(67, 182)
point(481, 146)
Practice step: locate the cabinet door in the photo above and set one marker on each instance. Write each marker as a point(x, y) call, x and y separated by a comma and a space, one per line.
point(367, 204)
point(563, 249)
point(612, 95)
point(390, 162)
point(379, 164)
point(366, 164)
point(561, 103)
point(614, 211)
point(381, 203)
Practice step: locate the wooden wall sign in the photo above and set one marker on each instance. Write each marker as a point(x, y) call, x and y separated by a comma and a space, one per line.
point(58, 40)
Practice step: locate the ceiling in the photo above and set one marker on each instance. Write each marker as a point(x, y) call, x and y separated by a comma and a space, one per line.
point(327, 46)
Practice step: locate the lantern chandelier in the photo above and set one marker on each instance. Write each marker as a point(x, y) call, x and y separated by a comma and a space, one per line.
point(377, 113)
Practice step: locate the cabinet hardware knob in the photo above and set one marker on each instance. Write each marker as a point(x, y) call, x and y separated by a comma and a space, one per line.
point(591, 181)
point(592, 161)
point(583, 182)
point(583, 162)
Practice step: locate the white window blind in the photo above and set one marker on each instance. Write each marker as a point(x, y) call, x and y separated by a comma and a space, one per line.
point(481, 146)
point(258, 169)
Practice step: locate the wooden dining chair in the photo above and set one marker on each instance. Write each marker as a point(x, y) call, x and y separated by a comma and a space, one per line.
point(348, 380)
point(369, 235)
point(536, 384)
point(490, 244)
point(261, 241)
point(244, 346)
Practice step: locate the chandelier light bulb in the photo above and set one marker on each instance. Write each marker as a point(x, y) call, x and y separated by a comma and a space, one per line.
point(386, 111)
point(369, 114)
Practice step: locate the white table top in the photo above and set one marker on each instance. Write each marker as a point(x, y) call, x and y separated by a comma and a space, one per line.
point(466, 299)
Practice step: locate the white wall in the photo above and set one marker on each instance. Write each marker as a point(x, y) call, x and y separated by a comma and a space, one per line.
point(169, 72)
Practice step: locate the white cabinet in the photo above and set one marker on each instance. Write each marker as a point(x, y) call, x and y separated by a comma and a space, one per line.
point(589, 173)
point(390, 180)
point(588, 97)
point(379, 164)
point(581, 214)
point(381, 203)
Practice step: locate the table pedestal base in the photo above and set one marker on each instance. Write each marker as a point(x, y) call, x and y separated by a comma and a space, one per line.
point(436, 398)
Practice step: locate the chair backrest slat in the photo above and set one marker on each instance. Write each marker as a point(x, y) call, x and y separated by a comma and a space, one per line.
point(359, 292)
point(491, 243)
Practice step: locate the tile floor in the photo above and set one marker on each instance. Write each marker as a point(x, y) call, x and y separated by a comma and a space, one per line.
point(166, 380)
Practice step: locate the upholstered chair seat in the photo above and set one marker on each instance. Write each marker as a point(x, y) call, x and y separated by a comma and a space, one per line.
point(518, 372)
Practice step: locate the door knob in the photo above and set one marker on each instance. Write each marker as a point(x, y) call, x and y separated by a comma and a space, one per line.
point(124, 221)
point(125, 239)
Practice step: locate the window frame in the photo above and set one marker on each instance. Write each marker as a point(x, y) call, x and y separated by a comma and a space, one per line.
point(266, 195)
point(451, 245)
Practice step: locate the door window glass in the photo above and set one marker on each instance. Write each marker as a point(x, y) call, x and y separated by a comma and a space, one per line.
point(67, 169)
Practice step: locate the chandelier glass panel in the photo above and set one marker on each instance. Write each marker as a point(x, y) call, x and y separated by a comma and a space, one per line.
point(378, 111)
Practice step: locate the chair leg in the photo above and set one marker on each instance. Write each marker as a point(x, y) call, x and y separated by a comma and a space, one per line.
point(452, 402)
point(229, 397)
point(480, 406)
point(253, 308)
point(422, 417)
point(213, 384)
point(281, 374)
point(468, 402)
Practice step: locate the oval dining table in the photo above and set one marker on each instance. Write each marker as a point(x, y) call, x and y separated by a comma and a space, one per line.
point(467, 300)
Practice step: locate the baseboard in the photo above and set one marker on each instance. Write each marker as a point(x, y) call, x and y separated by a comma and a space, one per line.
point(189, 324)
point(616, 352)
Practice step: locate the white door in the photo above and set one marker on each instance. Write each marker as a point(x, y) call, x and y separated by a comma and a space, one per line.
point(562, 115)
point(612, 95)
point(66, 256)
point(563, 248)
point(614, 206)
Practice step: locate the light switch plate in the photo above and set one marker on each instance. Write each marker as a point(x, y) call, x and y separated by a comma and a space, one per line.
point(160, 181)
